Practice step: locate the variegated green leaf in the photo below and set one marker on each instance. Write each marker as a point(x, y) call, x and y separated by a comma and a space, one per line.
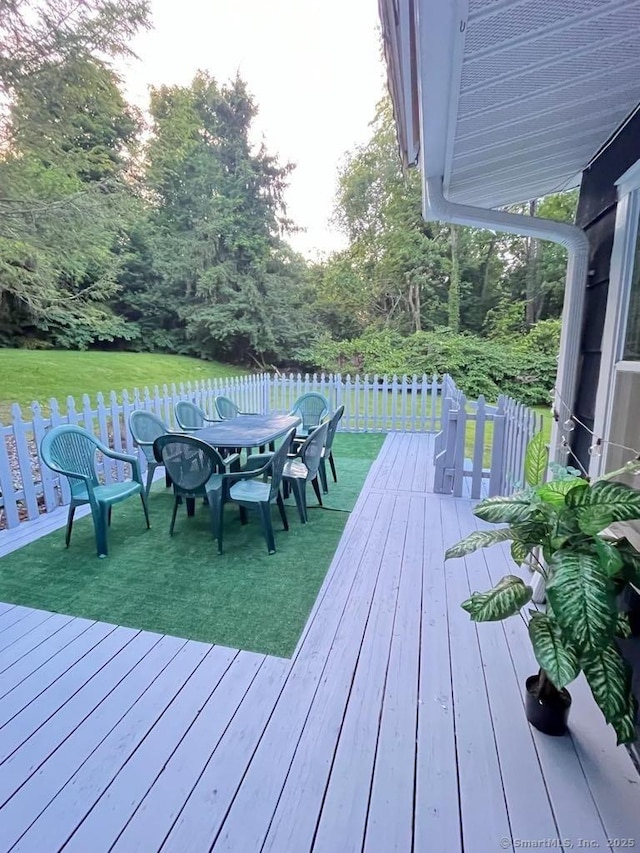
point(536, 460)
point(610, 558)
point(519, 551)
point(630, 562)
point(624, 726)
point(505, 599)
point(603, 503)
point(623, 626)
point(505, 510)
point(555, 492)
point(478, 539)
point(583, 600)
point(609, 678)
point(558, 660)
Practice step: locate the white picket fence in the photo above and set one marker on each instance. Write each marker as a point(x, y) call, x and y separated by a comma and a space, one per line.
point(372, 404)
point(480, 450)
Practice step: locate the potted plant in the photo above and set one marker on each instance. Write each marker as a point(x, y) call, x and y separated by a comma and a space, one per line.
point(560, 529)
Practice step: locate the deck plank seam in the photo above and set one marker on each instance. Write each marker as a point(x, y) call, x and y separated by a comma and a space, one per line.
point(150, 730)
point(68, 698)
point(93, 708)
point(384, 684)
point(454, 717)
point(45, 662)
point(344, 603)
point(209, 759)
point(58, 677)
point(348, 698)
point(487, 692)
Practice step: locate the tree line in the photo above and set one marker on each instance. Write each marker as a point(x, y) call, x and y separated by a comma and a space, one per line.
point(169, 231)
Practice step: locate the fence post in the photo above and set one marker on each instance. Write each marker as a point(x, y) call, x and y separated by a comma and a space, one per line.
point(477, 470)
point(47, 477)
point(459, 451)
point(24, 461)
point(6, 481)
point(497, 449)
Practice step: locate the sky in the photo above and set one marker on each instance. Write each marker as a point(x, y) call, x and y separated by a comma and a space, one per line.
point(314, 69)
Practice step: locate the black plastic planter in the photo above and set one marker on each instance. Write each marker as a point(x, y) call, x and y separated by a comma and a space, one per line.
point(549, 712)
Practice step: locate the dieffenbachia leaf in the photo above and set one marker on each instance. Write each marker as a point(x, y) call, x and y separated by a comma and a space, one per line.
point(623, 626)
point(478, 539)
point(505, 599)
point(609, 677)
point(536, 460)
point(583, 600)
point(555, 492)
point(610, 558)
point(519, 551)
point(558, 660)
point(506, 510)
point(603, 503)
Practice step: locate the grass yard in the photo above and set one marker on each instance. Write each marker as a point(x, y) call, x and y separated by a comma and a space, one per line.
point(28, 375)
point(180, 585)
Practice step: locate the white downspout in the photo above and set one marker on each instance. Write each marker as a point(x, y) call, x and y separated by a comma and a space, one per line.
point(437, 207)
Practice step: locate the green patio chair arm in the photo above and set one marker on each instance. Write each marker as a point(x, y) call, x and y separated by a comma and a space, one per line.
point(246, 475)
point(125, 457)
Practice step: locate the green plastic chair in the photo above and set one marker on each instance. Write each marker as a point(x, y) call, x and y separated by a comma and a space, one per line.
point(327, 452)
point(304, 467)
point(196, 470)
point(311, 408)
point(226, 408)
point(145, 427)
point(71, 451)
point(256, 489)
point(190, 417)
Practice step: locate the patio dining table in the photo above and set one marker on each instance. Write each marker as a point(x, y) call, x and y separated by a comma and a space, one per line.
point(247, 431)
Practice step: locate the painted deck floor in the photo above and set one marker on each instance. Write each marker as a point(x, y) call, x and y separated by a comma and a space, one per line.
point(398, 725)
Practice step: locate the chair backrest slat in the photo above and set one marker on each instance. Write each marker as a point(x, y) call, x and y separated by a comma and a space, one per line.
point(311, 451)
point(189, 416)
point(225, 407)
point(145, 428)
point(277, 464)
point(188, 461)
point(71, 450)
point(312, 408)
point(333, 426)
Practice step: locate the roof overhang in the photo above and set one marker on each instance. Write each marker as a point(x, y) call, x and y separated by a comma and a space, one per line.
point(509, 100)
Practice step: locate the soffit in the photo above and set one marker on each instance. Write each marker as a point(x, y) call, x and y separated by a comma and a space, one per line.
point(542, 87)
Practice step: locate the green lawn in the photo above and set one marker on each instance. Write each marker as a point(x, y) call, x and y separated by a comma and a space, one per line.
point(180, 585)
point(29, 375)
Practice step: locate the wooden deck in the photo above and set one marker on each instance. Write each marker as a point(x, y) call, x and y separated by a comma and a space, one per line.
point(398, 725)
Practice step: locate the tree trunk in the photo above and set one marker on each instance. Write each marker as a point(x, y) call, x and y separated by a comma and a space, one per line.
point(415, 306)
point(532, 295)
point(454, 283)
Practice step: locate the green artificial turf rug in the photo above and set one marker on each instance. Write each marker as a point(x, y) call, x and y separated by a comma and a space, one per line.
point(179, 585)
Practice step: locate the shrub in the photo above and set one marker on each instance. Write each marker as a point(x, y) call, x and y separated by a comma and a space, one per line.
point(523, 367)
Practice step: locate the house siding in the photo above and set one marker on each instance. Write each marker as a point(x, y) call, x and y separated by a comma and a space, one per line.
point(597, 216)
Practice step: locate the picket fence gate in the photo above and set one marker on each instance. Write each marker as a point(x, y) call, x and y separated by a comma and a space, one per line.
point(480, 449)
point(372, 404)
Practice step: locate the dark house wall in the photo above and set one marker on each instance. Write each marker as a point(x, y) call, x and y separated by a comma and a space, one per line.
point(597, 215)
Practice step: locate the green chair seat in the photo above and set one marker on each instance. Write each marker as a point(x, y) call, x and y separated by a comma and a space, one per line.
point(111, 494)
point(250, 490)
point(295, 468)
